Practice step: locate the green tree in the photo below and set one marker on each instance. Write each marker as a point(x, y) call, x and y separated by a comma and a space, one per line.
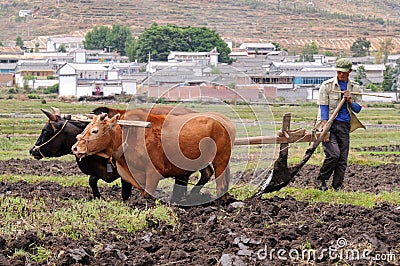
point(130, 49)
point(37, 47)
point(385, 47)
point(118, 38)
point(387, 83)
point(277, 46)
point(62, 49)
point(96, 38)
point(103, 37)
point(158, 41)
point(360, 47)
point(361, 74)
point(19, 42)
point(1, 44)
point(309, 50)
point(372, 87)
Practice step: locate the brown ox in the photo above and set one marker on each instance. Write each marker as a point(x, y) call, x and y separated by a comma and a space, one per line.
point(174, 146)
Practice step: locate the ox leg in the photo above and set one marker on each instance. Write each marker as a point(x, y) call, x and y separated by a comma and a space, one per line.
point(127, 177)
point(126, 190)
point(152, 179)
point(180, 188)
point(206, 174)
point(222, 182)
point(93, 185)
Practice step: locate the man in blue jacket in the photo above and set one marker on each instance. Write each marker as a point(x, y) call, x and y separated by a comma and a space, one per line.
point(336, 146)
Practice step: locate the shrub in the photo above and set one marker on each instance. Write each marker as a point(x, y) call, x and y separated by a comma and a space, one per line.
point(52, 89)
point(12, 90)
point(33, 96)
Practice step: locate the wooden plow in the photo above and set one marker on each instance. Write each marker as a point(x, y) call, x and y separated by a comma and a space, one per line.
point(281, 175)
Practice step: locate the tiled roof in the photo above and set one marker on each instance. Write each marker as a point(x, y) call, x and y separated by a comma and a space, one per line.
point(10, 50)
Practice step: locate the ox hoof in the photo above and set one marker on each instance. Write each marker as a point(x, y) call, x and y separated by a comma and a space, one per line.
point(226, 199)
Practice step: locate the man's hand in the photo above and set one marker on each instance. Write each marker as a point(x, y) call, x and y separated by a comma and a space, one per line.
point(326, 138)
point(347, 95)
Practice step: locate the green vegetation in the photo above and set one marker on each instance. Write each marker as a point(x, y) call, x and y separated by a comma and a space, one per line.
point(309, 50)
point(19, 42)
point(363, 199)
point(67, 182)
point(158, 41)
point(360, 47)
point(114, 39)
point(77, 218)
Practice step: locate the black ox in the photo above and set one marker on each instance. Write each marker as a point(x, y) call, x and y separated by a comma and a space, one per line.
point(59, 135)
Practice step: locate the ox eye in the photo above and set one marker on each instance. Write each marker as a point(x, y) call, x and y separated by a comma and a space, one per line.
point(95, 131)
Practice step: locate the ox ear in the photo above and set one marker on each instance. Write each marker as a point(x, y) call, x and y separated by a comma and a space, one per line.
point(51, 116)
point(114, 119)
point(102, 116)
point(56, 111)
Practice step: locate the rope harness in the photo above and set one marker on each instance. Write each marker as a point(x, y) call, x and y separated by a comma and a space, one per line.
point(37, 148)
point(87, 140)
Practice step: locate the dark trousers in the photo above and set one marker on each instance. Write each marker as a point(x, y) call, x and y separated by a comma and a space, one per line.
point(336, 153)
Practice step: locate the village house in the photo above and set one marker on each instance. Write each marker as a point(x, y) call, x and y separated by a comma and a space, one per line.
point(257, 48)
point(35, 73)
point(374, 73)
point(53, 44)
point(201, 58)
point(25, 13)
point(92, 80)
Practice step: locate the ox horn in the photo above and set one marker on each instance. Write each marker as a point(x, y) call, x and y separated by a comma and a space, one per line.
point(56, 111)
point(50, 115)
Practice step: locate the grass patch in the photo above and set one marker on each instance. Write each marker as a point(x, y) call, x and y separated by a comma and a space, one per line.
point(70, 181)
point(17, 147)
point(363, 199)
point(242, 192)
point(75, 219)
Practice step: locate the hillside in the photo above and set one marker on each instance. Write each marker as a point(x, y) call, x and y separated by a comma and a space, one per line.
point(333, 24)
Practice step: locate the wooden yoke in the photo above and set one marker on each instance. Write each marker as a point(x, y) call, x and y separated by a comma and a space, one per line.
point(89, 118)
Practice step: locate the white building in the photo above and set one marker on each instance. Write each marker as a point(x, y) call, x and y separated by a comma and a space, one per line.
point(25, 13)
point(92, 80)
point(201, 58)
point(257, 48)
point(70, 43)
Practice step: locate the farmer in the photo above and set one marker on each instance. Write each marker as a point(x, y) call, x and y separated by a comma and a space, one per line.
point(336, 144)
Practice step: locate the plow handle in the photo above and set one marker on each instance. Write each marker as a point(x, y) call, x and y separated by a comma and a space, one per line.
point(315, 144)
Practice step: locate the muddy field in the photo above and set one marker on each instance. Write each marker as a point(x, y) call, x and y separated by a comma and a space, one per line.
point(271, 231)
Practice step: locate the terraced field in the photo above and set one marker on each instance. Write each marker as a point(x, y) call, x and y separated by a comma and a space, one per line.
point(332, 24)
